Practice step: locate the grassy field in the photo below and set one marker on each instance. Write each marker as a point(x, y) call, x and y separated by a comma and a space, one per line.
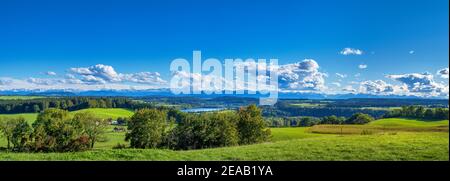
point(387, 139)
point(113, 113)
point(19, 97)
point(403, 146)
point(391, 125)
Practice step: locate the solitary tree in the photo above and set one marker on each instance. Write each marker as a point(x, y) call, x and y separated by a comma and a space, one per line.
point(21, 136)
point(7, 126)
point(92, 126)
point(251, 126)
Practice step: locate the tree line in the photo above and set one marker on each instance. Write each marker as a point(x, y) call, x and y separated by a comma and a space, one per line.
point(285, 109)
point(306, 121)
point(68, 103)
point(419, 112)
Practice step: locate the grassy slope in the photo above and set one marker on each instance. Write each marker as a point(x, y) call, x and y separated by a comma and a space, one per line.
point(29, 117)
point(403, 146)
point(392, 125)
point(113, 113)
point(287, 144)
point(402, 122)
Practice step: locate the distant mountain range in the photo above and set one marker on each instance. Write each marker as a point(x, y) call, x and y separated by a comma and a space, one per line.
point(168, 93)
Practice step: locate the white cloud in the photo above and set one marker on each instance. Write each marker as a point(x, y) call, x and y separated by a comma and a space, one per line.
point(300, 76)
point(341, 75)
point(303, 75)
point(40, 81)
point(411, 52)
point(376, 87)
point(351, 51)
point(337, 84)
point(349, 88)
point(63, 84)
point(362, 66)
point(443, 73)
point(421, 84)
point(4, 81)
point(50, 73)
point(101, 74)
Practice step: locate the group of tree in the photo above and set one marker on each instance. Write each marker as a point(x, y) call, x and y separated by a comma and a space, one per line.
point(153, 128)
point(68, 103)
point(306, 121)
point(286, 109)
point(53, 131)
point(419, 112)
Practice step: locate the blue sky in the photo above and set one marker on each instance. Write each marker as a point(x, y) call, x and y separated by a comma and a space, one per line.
point(404, 38)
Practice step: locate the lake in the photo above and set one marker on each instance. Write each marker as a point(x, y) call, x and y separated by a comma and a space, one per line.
point(197, 110)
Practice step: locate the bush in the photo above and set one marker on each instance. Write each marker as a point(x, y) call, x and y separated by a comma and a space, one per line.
point(332, 120)
point(359, 118)
point(366, 132)
point(308, 121)
point(54, 130)
point(147, 128)
point(206, 130)
point(251, 126)
point(21, 137)
point(120, 146)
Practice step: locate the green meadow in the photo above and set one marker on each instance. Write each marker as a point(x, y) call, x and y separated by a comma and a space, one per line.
point(19, 97)
point(385, 139)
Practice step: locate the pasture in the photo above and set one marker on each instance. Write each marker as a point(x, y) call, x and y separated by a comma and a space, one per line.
point(20, 97)
point(385, 139)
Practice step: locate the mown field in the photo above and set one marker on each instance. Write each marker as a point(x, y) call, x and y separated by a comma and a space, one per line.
point(387, 139)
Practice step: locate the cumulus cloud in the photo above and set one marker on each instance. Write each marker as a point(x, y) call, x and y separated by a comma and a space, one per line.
point(376, 87)
point(422, 84)
point(300, 76)
point(362, 66)
point(101, 74)
point(443, 73)
point(351, 51)
point(303, 75)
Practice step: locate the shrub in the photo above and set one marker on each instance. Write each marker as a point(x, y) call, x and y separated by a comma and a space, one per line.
point(54, 130)
point(120, 146)
point(147, 128)
point(366, 132)
point(251, 126)
point(21, 137)
point(205, 130)
point(92, 126)
point(359, 118)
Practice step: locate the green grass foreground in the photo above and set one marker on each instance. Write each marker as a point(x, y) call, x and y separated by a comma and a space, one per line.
point(385, 139)
point(402, 146)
